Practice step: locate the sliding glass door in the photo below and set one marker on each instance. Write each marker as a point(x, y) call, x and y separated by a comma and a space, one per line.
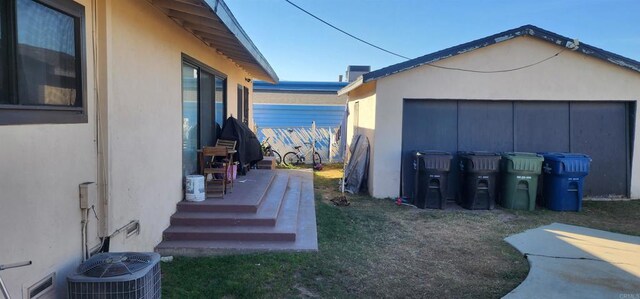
point(221, 103)
point(207, 109)
point(203, 109)
point(189, 119)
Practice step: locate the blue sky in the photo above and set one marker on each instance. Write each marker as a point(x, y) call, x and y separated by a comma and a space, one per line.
point(301, 48)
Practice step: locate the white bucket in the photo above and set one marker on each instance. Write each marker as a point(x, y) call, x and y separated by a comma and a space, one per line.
point(195, 188)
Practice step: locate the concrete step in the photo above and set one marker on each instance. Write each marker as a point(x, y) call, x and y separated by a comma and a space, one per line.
point(284, 230)
point(237, 199)
point(265, 216)
point(208, 248)
point(305, 240)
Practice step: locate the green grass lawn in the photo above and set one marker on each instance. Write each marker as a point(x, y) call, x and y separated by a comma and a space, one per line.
point(374, 248)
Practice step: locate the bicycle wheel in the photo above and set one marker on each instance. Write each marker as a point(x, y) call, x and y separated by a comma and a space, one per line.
point(316, 159)
point(278, 157)
point(291, 158)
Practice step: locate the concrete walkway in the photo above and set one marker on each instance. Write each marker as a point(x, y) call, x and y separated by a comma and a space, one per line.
point(575, 262)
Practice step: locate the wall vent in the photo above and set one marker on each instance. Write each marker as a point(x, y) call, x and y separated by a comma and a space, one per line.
point(42, 289)
point(133, 229)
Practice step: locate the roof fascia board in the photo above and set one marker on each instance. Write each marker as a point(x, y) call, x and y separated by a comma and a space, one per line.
point(300, 91)
point(223, 12)
point(527, 30)
point(353, 85)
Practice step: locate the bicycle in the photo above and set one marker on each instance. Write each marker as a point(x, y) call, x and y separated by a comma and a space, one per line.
point(297, 157)
point(268, 151)
point(3, 288)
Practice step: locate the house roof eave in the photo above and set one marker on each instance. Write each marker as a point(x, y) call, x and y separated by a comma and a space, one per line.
point(213, 23)
point(526, 30)
point(351, 86)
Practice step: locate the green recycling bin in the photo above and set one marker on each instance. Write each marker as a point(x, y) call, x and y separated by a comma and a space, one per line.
point(519, 184)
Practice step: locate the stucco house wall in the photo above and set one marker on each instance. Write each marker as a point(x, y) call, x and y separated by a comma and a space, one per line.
point(145, 117)
point(569, 77)
point(41, 168)
point(366, 99)
point(134, 154)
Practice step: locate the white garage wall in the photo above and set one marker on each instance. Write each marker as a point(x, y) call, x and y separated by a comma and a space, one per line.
point(569, 77)
point(366, 98)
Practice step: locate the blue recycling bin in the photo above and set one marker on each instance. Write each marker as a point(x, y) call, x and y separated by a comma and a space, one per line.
point(563, 180)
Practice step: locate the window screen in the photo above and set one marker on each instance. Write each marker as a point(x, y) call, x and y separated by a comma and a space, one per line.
point(47, 64)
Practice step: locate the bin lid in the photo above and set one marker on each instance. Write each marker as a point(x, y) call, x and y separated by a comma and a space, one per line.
point(544, 154)
point(528, 162)
point(522, 156)
point(479, 161)
point(565, 156)
point(478, 153)
point(438, 160)
point(572, 163)
point(433, 153)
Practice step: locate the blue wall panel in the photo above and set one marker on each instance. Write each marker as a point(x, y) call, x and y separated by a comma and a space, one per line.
point(290, 125)
point(296, 116)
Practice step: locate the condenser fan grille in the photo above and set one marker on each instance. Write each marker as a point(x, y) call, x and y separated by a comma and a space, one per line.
point(115, 264)
point(122, 275)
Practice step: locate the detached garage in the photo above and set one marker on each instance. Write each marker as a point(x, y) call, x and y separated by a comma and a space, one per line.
point(526, 89)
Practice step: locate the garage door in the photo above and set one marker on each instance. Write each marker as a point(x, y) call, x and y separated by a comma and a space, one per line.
point(598, 129)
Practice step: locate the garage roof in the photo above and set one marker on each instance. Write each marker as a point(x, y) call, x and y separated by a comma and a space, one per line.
point(212, 22)
point(526, 30)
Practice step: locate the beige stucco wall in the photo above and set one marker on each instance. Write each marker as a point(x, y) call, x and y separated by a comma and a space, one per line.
point(298, 98)
point(366, 99)
point(569, 77)
point(138, 72)
point(41, 168)
point(145, 117)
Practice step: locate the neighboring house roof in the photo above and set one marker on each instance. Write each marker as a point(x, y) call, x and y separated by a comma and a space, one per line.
point(526, 30)
point(299, 86)
point(212, 22)
point(293, 116)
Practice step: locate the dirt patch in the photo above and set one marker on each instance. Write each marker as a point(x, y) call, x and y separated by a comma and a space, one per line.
point(305, 293)
point(341, 201)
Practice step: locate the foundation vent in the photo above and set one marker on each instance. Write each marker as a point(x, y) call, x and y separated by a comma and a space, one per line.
point(43, 289)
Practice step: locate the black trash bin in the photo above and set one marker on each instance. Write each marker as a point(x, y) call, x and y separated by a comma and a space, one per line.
point(431, 172)
point(478, 175)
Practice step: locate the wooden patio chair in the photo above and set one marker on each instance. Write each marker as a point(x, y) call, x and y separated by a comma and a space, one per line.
point(217, 168)
point(231, 148)
point(229, 144)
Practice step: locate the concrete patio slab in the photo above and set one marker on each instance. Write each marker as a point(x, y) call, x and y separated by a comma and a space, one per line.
point(576, 262)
